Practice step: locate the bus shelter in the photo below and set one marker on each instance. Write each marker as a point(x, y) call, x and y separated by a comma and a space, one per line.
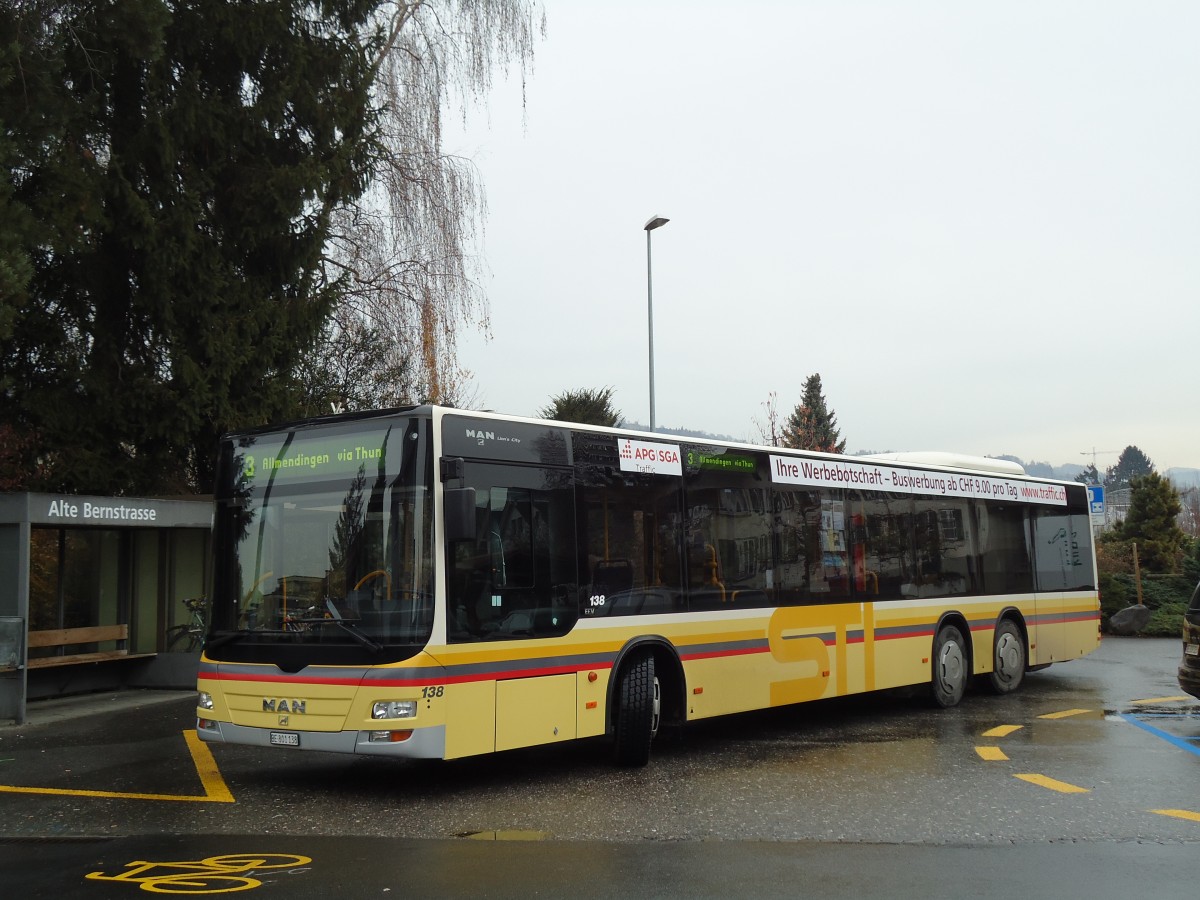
point(92, 589)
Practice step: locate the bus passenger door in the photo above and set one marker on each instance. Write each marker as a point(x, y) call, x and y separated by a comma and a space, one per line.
point(512, 587)
point(516, 577)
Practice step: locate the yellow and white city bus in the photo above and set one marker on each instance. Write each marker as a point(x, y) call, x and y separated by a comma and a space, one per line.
point(428, 582)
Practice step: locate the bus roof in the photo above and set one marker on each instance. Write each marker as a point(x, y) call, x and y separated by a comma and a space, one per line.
point(944, 460)
point(933, 458)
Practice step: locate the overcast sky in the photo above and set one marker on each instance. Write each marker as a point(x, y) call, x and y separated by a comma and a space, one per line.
point(979, 222)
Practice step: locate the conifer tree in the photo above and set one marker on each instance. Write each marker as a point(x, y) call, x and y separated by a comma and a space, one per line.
point(1131, 463)
point(178, 197)
point(812, 425)
point(587, 405)
point(1152, 522)
point(175, 166)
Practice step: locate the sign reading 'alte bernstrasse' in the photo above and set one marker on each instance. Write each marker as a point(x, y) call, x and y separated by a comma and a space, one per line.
point(90, 511)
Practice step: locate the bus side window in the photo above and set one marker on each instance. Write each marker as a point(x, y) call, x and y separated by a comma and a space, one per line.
point(811, 533)
point(1063, 549)
point(884, 522)
point(629, 542)
point(945, 548)
point(1004, 564)
point(516, 578)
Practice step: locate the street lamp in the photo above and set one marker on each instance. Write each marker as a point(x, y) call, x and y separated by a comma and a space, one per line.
point(655, 222)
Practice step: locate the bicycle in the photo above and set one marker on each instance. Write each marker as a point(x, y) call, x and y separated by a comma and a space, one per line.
point(190, 635)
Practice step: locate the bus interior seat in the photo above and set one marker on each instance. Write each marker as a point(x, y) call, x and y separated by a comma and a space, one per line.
point(612, 576)
point(750, 597)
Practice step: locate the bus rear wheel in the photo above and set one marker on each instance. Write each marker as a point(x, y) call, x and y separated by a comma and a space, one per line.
point(949, 667)
point(1008, 658)
point(639, 709)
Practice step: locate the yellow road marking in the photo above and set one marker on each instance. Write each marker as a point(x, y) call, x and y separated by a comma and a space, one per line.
point(1065, 714)
point(1002, 730)
point(1061, 786)
point(1178, 814)
point(1164, 700)
point(215, 789)
point(214, 785)
point(991, 753)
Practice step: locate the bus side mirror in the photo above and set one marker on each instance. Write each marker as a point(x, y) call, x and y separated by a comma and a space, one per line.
point(459, 506)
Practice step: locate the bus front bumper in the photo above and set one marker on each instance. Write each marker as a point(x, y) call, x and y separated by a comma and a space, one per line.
point(422, 743)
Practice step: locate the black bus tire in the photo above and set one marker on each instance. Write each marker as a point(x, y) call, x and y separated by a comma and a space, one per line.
point(635, 719)
point(1008, 658)
point(950, 667)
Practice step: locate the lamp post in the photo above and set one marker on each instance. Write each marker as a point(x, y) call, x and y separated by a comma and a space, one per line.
point(655, 222)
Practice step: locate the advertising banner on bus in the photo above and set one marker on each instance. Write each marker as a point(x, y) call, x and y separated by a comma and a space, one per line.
point(868, 476)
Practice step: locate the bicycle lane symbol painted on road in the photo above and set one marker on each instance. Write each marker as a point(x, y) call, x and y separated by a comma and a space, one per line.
point(225, 874)
point(215, 789)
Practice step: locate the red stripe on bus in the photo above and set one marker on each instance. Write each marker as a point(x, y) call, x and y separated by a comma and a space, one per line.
point(895, 635)
point(718, 654)
point(405, 682)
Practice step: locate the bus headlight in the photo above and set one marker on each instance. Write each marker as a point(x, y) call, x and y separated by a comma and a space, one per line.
point(394, 709)
point(204, 700)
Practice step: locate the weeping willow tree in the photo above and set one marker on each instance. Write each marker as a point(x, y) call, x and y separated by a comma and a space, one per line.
point(403, 253)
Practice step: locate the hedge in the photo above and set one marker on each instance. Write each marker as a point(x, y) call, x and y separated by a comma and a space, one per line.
point(1166, 595)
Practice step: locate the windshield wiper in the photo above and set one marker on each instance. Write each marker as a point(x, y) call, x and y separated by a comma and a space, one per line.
point(335, 618)
point(227, 637)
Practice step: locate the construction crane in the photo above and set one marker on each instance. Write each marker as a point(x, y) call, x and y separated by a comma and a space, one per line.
point(1093, 453)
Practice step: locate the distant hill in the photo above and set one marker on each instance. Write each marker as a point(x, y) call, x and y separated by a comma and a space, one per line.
point(1179, 476)
point(681, 432)
point(1065, 472)
point(1183, 477)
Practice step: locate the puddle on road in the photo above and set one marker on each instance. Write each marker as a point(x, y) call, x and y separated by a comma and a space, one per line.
point(1154, 709)
point(508, 834)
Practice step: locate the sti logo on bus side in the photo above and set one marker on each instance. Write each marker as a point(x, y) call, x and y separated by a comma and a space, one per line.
point(283, 706)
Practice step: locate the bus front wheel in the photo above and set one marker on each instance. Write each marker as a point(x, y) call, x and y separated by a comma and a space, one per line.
point(639, 708)
point(949, 667)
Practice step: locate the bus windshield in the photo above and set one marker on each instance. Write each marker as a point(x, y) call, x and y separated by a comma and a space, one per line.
point(324, 544)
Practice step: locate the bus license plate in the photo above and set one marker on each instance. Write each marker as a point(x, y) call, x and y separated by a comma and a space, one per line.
point(285, 739)
point(1192, 650)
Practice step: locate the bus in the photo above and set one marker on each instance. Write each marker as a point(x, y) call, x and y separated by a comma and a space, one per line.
point(427, 582)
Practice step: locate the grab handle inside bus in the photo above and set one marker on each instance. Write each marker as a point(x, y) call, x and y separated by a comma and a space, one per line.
point(459, 505)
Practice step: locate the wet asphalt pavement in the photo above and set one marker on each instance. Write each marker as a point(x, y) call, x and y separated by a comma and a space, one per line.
point(1084, 781)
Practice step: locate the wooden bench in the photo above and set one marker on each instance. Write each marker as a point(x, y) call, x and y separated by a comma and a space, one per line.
point(63, 637)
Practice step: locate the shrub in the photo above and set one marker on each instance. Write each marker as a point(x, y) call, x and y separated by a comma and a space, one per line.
point(1166, 596)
